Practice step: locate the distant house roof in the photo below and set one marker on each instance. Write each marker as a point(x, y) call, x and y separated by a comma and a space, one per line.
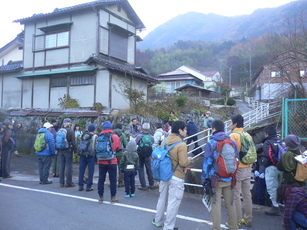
point(12, 66)
point(19, 40)
point(173, 75)
point(188, 86)
point(210, 73)
point(121, 67)
point(89, 5)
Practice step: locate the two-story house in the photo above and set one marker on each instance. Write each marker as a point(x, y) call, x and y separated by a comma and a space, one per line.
point(86, 51)
point(185, 75)
point(284, 75)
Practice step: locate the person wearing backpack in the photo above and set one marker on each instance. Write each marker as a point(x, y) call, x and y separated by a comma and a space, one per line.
point(171, 191)
point(129, 165)
point(244, 171)
point(66, 145)
point(191, 130)
point(56, 158)
point(273, 176)
point(123, 143)
point(207, 120)
point(144, 150)
point(45, 150)
point(107, 145)
point(218, 174)
point(87, 153)
point(7, 146)
point(287, 163)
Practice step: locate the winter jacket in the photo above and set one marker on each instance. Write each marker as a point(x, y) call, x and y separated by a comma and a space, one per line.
point(205, 121)
point(270, 150)
point(210, 156)
point(237, 138)
point(135, 130)
point(6, 139)
point(158, 138)
point(191, 128)
point(115, 146)
point(288, 165)
point(179, 154)
point(295, 201)
point(50, 149)
point(123, 140)
point(130, 159)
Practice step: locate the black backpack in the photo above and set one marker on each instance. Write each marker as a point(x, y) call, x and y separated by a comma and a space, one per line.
point(145, 146)
point(85, 148)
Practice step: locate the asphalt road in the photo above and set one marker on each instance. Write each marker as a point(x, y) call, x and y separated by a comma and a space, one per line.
point(27, 205)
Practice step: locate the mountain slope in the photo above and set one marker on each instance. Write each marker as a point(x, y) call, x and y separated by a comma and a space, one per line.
point(216, 28)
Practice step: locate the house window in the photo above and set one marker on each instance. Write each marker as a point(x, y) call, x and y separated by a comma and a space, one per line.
point(275, 74)
point(56, 40)
point(82, 80)
point(118, 46)
point(58, 82)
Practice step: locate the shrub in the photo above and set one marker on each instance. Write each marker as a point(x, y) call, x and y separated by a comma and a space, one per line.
point(181, 100)
point(231, 101)
point(67, 102)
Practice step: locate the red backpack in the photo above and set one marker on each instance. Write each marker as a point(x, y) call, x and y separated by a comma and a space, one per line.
point(226, 163)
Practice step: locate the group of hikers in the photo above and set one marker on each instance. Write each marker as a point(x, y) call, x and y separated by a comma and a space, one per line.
point(228, 163)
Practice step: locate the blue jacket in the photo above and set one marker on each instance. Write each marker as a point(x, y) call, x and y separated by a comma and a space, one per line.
point(191, 128)
point(210, 155)
point(50, 150)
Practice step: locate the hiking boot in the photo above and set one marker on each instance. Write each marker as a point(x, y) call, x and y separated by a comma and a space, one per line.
point(100, 200)
point(154, 223)
point(114, 200)
point(154, 186)
point(47, 182)
point(121, 184)
point(89, 189)
point(127, 196)
point(142, 188)
point(70, 185)
point(132, 195)
point(246, 223)
point(274, 211)
point(239, 224)
point(81, 188)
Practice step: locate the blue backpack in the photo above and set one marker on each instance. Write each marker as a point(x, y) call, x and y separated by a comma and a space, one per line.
point(104, 149)
point(162, 163)
point(61, 140)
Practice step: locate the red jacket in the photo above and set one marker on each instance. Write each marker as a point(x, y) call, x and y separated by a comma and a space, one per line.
point(115, 146)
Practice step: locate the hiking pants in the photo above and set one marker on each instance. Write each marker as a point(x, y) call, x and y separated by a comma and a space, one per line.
point(145, 161)
point(44, 163)
point(112, 170)
point(120, 175)
point(171, 193)
point(129, 178)
point(223, 188)
point(6, 162)
point(90, 163)
point(65, 168)
point(243, 177)
point(56, 164)
point(273, 178)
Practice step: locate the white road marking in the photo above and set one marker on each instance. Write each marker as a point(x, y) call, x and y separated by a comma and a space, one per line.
point(107, 202)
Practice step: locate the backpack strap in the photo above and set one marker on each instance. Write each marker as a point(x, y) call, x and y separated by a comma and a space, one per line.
point(169, 148)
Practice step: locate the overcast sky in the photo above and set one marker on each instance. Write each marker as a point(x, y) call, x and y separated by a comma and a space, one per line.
point(152, 13)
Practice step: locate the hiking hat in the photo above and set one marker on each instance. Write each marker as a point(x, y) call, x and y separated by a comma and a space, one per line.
point(271, 130)
point(292, 141)
point(47, 125)
point(146, 126)
point(106, 125)
point(91, 127)
point(67, 120)
point(8, 122)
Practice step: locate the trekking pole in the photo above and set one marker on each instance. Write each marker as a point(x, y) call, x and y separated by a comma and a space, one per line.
point(195, 185)
point(193, 170)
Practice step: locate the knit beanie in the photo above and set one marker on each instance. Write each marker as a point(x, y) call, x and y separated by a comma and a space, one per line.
point(292, 141)
point(106, 125)
point(271, 130)
point(91, 127)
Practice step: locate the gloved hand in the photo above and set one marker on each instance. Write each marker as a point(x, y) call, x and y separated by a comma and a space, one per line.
point(191, 159)
point(122, 170)
point(261, 176)
point(256, 173)
point(208, 188)
point(136, 172)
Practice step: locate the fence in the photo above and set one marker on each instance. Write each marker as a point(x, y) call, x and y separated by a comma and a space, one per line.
point(294, 117)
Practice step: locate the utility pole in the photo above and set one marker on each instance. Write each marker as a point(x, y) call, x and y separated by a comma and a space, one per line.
point(230, 77)
point(250, 67)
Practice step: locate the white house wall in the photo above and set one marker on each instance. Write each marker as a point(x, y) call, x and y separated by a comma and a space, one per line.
point(27, 93)
point(41, 93)
point(57, 57)
point(28, 40)
point(11, 91)
point(84, 94)
point(102, 90)
point(56, 93)
point(15, 54)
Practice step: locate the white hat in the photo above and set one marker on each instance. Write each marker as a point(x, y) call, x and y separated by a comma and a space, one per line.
point(47, 125)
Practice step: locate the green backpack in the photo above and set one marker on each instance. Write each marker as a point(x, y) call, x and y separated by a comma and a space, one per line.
point(40, 142)
point(248, 152)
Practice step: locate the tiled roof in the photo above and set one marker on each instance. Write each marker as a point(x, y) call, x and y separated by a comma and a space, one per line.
point(192, 86)
point(122, 67)
point(131, 13)
point(174, 72)
point(11, 66)
point(209, 73)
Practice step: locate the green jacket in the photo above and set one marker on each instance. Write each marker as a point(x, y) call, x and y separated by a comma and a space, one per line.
point(130, 159)
point(123, 140)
